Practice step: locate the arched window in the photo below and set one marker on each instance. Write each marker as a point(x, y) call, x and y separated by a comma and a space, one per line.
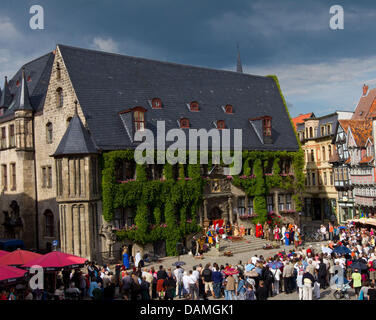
point(49, 132)
point(49, 223)
point(228, 108)
point(310, 132)
point(156, 103)
point(139, 118)
point(330, 150)
point(194, 106)
point(184, 123)
point(323, 154)
point(220, 124)
point(59, 97)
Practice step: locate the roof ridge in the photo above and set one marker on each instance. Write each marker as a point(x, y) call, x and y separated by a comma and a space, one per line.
point(164, 62)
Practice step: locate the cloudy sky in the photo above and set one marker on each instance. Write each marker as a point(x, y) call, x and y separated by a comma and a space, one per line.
point(320, 69)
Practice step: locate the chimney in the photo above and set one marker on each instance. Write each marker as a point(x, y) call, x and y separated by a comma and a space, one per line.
point(365, 89)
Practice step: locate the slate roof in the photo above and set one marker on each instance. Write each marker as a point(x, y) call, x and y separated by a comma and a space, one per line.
point(76, 140)
point(107, 84)
point(39, 71)
point(6, 97)
point(22, 98)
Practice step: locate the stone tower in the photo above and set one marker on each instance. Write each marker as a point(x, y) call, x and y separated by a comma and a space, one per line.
point(77, 190)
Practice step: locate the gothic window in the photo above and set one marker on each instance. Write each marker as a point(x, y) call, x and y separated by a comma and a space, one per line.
point(49, 132)
point(49, 223)
point(59, 97)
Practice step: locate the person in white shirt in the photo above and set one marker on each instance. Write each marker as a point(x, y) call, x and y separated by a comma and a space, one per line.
point(254, 260)
point(186, 282)
point(193, 286)
point(277, 278)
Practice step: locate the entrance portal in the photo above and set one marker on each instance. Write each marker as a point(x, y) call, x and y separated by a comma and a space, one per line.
point(214, 214)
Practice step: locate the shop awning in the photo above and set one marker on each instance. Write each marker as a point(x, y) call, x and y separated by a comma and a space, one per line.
point(18, 257)
point(10, 275)
point(57, 260)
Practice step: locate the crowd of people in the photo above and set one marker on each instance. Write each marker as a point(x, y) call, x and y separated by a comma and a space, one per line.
point(347, 259)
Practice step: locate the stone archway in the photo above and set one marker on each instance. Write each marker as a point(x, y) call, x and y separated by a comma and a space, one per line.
point(215, 214)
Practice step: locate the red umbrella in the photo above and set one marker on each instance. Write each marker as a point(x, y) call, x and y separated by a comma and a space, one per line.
point(2, 253)
point(9, 275)
point(56, 260)
point(18, 257)
point(231, 271)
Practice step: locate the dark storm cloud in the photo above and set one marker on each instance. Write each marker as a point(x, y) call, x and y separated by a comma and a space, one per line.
point(271, 34)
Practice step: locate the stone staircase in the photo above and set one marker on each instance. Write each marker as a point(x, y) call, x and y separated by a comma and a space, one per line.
point(247, 244)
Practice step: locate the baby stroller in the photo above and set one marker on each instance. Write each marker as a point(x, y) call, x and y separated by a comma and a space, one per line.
point(341, 290)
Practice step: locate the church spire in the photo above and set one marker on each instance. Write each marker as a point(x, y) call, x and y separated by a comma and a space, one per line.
point(6, 97)
point(239, 67)
point(23, 98)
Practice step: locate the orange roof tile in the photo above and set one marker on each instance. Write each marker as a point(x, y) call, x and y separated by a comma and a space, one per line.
point(361, 131)
point(300, 118)
point(366, 106)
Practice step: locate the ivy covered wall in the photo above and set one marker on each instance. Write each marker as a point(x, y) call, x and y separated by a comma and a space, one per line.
point(167, 209)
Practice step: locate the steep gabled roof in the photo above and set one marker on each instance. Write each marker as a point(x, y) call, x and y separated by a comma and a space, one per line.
point(364, 106)
point(39, 71)
point(361, 131)
point(76, 140)
point(106, 84)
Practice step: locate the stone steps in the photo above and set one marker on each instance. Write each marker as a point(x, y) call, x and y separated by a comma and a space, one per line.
point(242, 245)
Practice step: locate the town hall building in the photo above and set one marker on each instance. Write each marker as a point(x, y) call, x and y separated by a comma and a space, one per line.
point(67, 126)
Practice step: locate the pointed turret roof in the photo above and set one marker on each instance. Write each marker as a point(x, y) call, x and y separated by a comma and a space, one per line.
point(6, 96)
point(22, 101)
point(76, 140)
point(239, 67)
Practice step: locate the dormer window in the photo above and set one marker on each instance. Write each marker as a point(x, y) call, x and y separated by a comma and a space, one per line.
point(139, 118)
point(156, 103)
point(184, 123)
point(267, 126)
point(194, 106)
point(220, 124)
point(229, 109)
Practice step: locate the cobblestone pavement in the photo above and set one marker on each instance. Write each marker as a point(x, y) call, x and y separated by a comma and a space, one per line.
point(213, 256)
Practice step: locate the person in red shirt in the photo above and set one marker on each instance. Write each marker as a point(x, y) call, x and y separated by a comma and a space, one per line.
point(3, 295)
